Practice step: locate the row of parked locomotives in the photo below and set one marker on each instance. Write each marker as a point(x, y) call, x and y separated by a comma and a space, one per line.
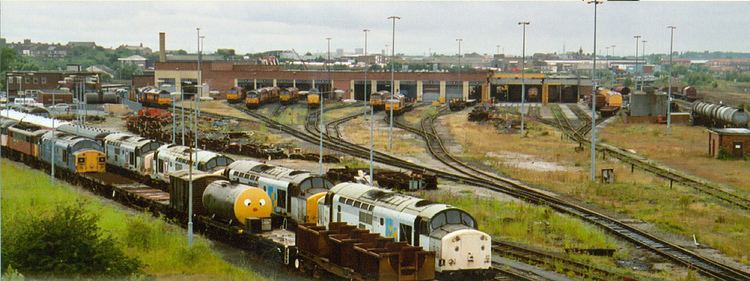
point(29, 139)
point(256, 98)
point(376, 233)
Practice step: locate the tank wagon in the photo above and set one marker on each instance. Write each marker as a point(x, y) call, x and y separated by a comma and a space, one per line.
point(717, 115)
point(294, 193)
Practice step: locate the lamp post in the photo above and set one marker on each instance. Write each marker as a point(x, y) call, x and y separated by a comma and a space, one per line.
point(610, 68)
point(593, 100)
point(635, 71)
point(643, 66)
point(372, 115)
point(174, 115)
point(321, 126)
point(393, 86)
point(523, 77)
point(459, 40)
point(669, 95)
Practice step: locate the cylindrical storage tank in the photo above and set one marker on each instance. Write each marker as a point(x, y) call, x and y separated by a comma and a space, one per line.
point(93, 98)
point(109, 97)
point(235, 202)
point(726, 114)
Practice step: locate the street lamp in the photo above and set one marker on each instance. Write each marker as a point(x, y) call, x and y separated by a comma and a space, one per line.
point(174, 115)
point(321, 126)
point(643, 66)
point(635, 71)
point(393, 87)
point(459, 40)
point(669, 97)
point(593, 99)
point(610, 68)
point(523, 77)
point(372, 115)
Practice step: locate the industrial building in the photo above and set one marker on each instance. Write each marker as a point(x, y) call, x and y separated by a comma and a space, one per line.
point(734, 142)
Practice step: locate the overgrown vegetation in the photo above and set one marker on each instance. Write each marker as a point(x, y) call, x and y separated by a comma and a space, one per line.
point(678, 210)
point(30, 201)
point(66, 243)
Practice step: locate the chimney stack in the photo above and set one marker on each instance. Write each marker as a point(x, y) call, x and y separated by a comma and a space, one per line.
point(162, 51)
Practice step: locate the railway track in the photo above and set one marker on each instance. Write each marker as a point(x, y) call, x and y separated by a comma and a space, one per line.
point(647, 165)
point(549, 260)
point(517, 189)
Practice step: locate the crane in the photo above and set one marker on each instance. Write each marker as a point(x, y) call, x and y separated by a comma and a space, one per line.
point(300, 58)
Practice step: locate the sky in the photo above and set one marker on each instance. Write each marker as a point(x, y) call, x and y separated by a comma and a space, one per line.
point(424, 26)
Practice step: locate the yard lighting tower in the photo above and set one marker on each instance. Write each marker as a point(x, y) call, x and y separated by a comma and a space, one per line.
point(643, 66)
point(593, 98)
point(523, 76)
point(372, 114)
point(174, 115)
point(393, 87)
point(609, 67)
point(635, 71)
point(321, 125)
point(196, 101)
point(669, 97)
point(459, 40)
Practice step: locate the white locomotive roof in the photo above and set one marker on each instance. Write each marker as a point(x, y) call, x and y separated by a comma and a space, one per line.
point(389, 199)
point(276, 172)
point(127, 139)
point(32, 119)
point(182, 152)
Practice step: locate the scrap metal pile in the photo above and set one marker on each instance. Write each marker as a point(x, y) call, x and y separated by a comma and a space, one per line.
point(504, 118)
point(154, 123)
point(386, 178)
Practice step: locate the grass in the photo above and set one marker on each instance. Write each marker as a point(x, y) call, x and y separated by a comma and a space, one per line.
point(160, 246)
point(689, 142)
point(640, 195)
point(358, 131)
point(541, 227)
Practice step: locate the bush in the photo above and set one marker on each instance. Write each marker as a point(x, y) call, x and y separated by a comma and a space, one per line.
point(66, 244)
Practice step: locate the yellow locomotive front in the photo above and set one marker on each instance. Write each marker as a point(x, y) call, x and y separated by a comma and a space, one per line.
point(90, 161)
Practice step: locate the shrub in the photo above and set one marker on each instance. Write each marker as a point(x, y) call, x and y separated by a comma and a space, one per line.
point(66, 244)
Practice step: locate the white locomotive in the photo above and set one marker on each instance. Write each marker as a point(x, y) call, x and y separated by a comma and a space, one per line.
point(448, 231)
point(170, 158)
point(294, 193)
point(130, 152)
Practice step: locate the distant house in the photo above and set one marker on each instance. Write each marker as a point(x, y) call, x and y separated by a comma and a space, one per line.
point(85, 44)
point(134, 59)
point(137, 49)
point(102, 70)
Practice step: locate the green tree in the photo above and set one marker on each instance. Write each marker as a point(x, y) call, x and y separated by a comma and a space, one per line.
point(699, 78)
point(66, 244)
point(126, 71)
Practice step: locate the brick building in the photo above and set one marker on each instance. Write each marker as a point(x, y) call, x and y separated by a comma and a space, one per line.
point(222, 75)
point(735, 142)
point(29, 83)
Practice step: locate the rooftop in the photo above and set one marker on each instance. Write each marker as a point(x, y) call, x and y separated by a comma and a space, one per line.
point(731, 131)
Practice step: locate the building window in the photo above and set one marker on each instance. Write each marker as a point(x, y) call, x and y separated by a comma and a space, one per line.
point(44, 80)
point(36, 80)
point(27, 80)
point(10, 81)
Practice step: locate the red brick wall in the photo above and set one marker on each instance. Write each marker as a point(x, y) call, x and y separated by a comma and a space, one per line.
point(727, 143)
point(220, 77)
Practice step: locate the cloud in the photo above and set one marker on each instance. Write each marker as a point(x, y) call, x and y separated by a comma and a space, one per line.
point(257, 26)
